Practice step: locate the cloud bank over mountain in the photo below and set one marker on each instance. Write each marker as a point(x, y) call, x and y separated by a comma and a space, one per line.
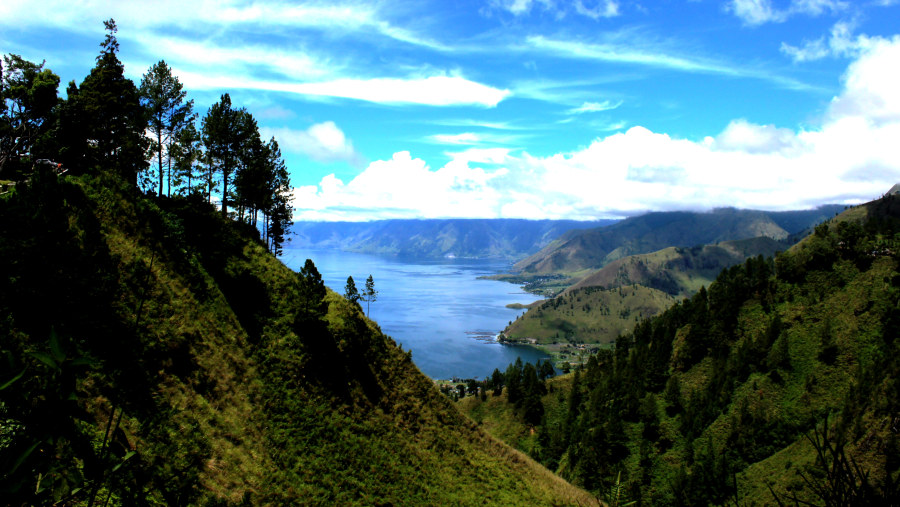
point(851, 154)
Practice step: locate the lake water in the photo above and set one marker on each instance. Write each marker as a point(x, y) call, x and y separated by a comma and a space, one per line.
point(437, 309)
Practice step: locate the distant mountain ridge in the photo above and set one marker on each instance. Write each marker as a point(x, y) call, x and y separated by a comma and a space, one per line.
point(578, 250)
point(510, 239)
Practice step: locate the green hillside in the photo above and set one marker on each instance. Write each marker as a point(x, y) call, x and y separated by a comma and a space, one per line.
point(580, 250)
point(679, 271)
point(589, 315)
point(610, 301)
point(154, 353)
point(778, 384)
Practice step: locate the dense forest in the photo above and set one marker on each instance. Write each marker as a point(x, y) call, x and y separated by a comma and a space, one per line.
point(776, 384)
point(155, 352)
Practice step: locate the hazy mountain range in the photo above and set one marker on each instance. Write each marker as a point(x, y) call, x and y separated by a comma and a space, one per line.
point(438, 238)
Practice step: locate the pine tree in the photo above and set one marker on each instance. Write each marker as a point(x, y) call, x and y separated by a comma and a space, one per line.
point(186, 153)
point(370, 295)
point(497, 380)
point(227, 133)
point(162, 94)
point(312, 289)
point(350, 292)
point(28, 95)
point(104, 117)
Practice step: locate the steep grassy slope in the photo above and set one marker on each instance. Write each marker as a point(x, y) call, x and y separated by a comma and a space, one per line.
point(593, 248)
point(156, 354)
point(679, 271)
point(590, 315)
point(438, 238)
point(610, 301)
point(773, 384)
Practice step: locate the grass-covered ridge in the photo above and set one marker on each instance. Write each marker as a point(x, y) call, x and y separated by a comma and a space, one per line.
point(591, 249)
point(609, 302)
point(727, 397)
point(156, 353)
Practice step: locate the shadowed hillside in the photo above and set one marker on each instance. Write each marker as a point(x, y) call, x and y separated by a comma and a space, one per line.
point(156, 353)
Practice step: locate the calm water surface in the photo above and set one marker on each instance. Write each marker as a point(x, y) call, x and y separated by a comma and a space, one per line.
point(437, 309)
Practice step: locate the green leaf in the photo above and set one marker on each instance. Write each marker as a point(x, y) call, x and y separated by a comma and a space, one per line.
point(82, 361)
point(126, 458)
point(12, 380)
point(55, 347)
point(23, 457)
point(44, 358)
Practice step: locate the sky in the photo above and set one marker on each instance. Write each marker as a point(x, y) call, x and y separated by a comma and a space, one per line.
point(580, 109)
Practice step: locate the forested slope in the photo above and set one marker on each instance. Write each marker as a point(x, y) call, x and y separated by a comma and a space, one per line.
point(778, 383)
point(155, 353)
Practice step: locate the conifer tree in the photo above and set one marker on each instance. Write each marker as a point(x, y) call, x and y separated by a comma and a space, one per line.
point(370, 295)
point(163, 96)
point(312, 289)
point(497, 380)
point(226, 135)
point(351, 293)
point(28, 96)
point(104, 121)
point(186, 154)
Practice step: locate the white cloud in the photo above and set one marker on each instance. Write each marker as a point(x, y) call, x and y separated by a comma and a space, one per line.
point(402, 187)
point(595, 107)
point(594, 9)
point(464, 138)
point(602, 9)
point(324, 142)
point(758, 12)
point(632, 52)
point(742, 136)
point(474, 138)
point(335, 19)
point(520, 7)
point(850, 157)
point(437, 90)
point(841, 43)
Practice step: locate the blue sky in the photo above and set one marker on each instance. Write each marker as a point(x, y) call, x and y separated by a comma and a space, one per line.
point(526, 108)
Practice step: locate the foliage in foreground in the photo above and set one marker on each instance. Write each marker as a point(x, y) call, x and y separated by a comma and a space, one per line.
point(155, 353)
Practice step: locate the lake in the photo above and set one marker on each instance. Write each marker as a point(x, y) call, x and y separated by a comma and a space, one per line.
point(439, 310)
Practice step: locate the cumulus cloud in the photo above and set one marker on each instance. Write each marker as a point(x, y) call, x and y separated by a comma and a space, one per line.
point(742, 136)
point(324, 142)
point(851, 156)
